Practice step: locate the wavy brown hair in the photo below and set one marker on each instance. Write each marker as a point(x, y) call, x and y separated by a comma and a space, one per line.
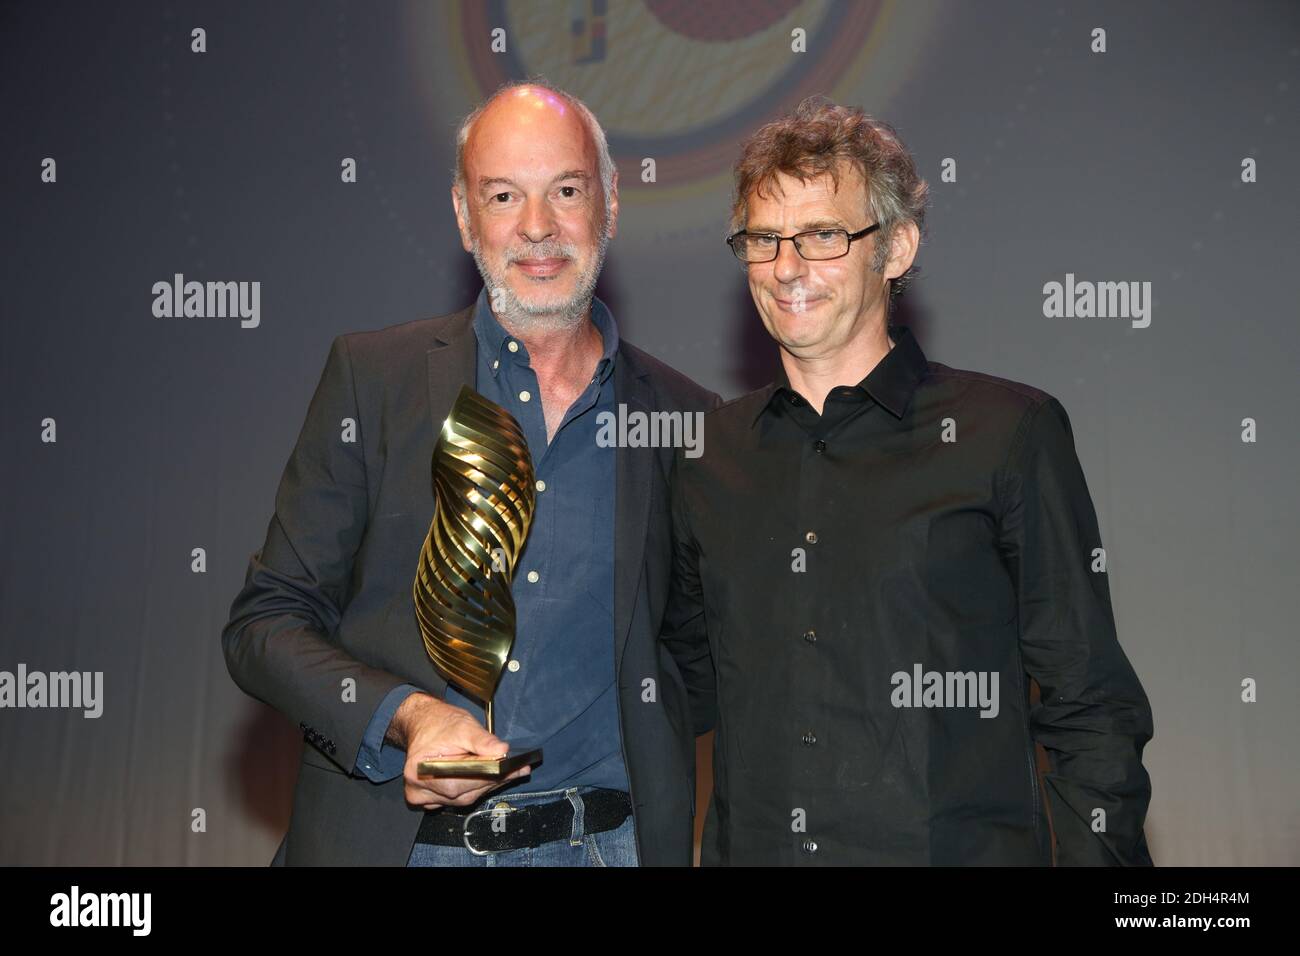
point(816, 139)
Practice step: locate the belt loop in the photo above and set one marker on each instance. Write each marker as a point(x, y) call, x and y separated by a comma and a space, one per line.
point(575, 837)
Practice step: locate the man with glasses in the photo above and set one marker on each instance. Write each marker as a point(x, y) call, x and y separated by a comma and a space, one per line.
point(875, 554)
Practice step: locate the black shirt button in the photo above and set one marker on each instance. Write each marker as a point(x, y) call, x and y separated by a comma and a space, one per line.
point(810, 846)
point(811, 537)
point(810, 636)
point(819, 445)
point(810, 738)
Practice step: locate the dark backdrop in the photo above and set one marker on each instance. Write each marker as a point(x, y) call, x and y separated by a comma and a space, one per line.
point(1120, 166)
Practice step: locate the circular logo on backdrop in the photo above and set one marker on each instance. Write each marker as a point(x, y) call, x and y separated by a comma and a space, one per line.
point(679, 81)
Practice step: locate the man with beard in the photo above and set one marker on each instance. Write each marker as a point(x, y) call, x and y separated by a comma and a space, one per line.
point(327, 603)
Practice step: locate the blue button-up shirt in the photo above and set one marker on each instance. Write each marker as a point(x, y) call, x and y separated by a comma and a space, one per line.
point(558, 691)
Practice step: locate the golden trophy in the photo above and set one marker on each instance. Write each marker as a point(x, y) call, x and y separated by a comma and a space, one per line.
point(483, 487)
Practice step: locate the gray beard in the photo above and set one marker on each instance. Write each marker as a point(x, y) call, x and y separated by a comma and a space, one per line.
point(523, 317)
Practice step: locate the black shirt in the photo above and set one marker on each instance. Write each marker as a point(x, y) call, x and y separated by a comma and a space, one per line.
point(858, 599)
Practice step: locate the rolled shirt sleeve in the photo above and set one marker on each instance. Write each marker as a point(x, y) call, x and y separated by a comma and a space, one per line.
point(1093, 717)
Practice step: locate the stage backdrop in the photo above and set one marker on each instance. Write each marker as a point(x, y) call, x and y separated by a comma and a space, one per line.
point(1152, 145)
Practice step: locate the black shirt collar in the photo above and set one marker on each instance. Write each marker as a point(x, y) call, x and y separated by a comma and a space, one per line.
point(891, 383)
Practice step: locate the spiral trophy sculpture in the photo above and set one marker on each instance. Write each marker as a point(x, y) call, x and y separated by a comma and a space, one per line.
point(484, 491)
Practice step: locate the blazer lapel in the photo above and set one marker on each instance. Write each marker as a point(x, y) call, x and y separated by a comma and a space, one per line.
point(452, 362)
point(631, 504)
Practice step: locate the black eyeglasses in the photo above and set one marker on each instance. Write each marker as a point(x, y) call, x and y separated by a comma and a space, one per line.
point(814, 244)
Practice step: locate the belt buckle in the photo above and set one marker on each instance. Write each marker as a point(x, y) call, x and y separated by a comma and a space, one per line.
point(502, 808)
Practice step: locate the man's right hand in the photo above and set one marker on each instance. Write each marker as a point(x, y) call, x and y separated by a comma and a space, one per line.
point(428, 728)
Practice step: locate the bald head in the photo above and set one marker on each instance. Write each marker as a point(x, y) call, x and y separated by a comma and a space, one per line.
point(531, 115)
point(532, 111)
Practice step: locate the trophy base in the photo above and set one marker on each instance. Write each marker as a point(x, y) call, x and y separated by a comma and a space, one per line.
point(493, 768)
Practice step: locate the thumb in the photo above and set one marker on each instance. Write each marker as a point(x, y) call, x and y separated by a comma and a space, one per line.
point(477, 740)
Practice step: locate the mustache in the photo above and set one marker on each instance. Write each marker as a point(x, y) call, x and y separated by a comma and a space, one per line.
point(547, 249)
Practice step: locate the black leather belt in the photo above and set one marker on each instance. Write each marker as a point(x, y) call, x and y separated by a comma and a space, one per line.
point(523, 826)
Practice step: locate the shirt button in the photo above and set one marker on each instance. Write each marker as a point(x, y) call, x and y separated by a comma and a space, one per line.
point(533, 577)
point(811, 537)
point(810, 846)
point(524, 396)
point(810, 636)
point(513, 666)
point(496, 363)
point(810, 738)
point(819, 445)
point(512, 345)
point(541, 485)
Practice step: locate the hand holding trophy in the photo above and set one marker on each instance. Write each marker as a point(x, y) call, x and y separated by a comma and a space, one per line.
point(483, 484)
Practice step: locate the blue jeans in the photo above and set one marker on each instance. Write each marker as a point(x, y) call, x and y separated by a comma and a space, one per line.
point(616, 847)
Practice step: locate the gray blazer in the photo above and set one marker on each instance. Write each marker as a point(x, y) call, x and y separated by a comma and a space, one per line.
point(327, 599)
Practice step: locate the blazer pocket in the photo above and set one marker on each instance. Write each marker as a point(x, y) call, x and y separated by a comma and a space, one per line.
point(313, 758)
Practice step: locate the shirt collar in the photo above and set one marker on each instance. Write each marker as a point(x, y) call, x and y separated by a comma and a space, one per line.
point(891, 383)
point(493, 339)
